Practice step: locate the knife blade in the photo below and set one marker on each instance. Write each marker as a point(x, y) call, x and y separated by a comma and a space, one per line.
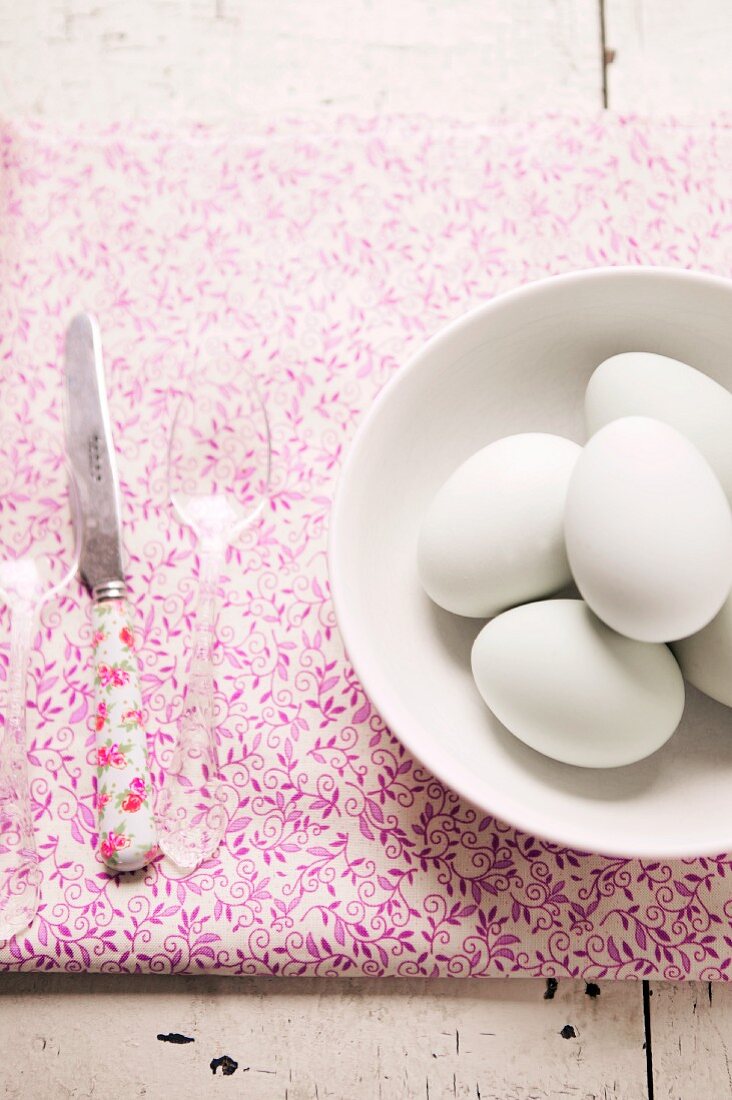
point(91, 453)
point(124, 792)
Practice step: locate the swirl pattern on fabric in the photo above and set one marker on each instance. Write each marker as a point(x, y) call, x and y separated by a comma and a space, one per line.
point(321, 260)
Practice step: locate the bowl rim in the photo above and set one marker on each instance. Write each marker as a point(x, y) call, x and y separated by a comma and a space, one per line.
point(448, 770)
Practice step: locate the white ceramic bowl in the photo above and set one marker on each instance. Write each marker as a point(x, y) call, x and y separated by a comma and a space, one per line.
point(518, 364)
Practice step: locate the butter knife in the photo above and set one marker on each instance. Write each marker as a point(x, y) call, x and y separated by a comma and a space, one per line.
point(127, 833)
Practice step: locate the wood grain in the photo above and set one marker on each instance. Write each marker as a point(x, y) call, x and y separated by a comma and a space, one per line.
point(310, 1039)
point(669, 58)
point(692, 1040)
point(225, 59)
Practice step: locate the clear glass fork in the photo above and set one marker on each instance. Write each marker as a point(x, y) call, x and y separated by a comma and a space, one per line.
point(218, 473)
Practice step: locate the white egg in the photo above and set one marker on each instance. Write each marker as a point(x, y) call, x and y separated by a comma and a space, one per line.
point(571, 688)
point(641, 384)
point(649, 531)
point(493, 535)
point(706, 657)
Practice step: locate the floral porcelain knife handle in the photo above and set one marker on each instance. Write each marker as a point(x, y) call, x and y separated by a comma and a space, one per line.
point(124, 796)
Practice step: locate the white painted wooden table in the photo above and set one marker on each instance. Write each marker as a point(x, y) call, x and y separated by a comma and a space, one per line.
point(83, 1036)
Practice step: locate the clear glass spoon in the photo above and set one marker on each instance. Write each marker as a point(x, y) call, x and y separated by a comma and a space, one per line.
point(218, 476)
point(38, 558)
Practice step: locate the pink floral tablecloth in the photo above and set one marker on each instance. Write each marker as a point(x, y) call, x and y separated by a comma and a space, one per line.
point(323, 258)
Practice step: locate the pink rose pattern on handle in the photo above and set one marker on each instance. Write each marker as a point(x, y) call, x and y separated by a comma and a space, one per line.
point(323, 258)
point(123, 794)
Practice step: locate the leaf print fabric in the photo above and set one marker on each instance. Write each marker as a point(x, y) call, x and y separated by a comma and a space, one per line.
point(321, 260)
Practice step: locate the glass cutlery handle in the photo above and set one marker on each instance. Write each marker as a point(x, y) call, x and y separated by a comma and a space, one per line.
point(191, 816)
point(20, 874)
point(127, 834)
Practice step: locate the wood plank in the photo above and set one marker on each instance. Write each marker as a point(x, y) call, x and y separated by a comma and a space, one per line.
point(691, 1029)
point(227, 59)
point(669, 58)
point(297, 1039)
